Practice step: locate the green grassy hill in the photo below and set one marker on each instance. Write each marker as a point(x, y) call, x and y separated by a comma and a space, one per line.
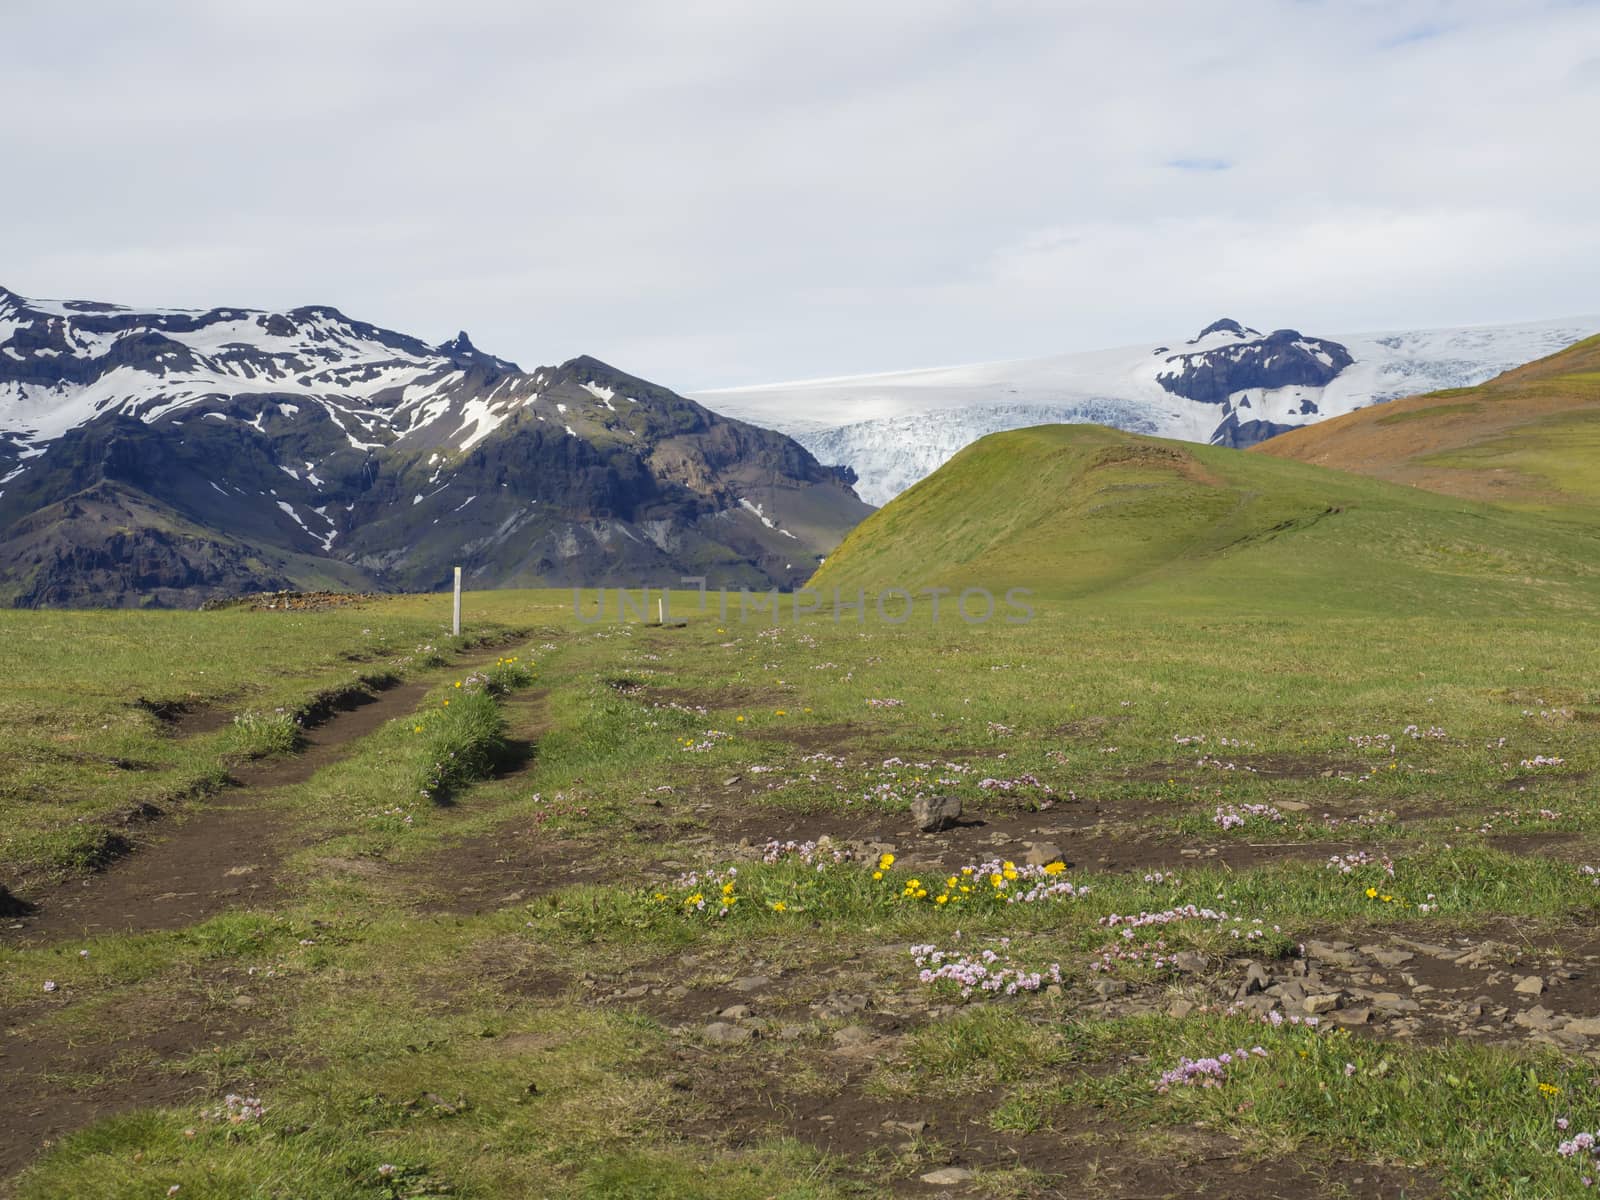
point(1085, 511)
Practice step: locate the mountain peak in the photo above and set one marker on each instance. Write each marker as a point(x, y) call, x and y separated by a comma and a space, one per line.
point(588, 362)
point(1224, 325)
point(462, 352)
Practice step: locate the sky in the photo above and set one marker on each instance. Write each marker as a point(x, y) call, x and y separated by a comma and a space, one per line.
point(719, 192)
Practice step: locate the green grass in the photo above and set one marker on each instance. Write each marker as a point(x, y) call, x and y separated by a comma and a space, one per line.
point(492, 1046)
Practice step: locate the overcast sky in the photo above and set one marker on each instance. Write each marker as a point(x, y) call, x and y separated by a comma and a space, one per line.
point(714, 192)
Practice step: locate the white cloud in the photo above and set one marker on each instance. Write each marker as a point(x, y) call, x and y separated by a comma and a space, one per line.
point(711, 192)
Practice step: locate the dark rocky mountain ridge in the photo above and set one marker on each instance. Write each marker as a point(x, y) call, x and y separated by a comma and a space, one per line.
point(166, 457)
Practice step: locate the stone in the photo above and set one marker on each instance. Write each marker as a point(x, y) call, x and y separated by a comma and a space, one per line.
point(1352, 1016)
point(1391, 958)
point(1322, 1003)
point(1432, 950)
point(852, 1035)
point(1191, 961)
point(749, 983)
point(1338, 953)
point(1107, 988)
point(735, 1012)
point(949, 1175)
point(721, 1033)
point(1042, 854)
point(1529, 985)
point(1393, 1002)
point(1260, 1005)
point(1256, 979)
point(1483, 953)
point(842, 1005)
point(1537, 1017)
point(1584, 1026)
point(933, 813)
point(1181, 1008)
point(1291, 805)
point(913, 1128)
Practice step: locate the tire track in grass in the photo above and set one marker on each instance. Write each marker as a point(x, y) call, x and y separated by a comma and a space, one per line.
point(38, 1061)
point(219, 857)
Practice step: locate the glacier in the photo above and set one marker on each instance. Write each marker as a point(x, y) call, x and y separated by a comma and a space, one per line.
point(893, 429)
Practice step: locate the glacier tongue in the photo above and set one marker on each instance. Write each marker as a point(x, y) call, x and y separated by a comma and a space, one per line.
point(1231, 384)
point(899, 451)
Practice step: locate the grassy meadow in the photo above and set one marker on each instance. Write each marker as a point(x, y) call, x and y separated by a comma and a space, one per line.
point(692, 943)
point(1274, 872)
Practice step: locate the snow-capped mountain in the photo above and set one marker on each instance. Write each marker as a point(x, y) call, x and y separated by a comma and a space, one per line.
point(1230, 385)
point(169, 454)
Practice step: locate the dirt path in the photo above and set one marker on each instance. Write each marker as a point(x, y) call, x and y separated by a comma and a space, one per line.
point(220, 856)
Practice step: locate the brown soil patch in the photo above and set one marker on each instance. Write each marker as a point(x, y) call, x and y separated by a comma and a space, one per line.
point(812, 738)
point(1531, 843)
point(185, 718)
point(487, 873)
point(293, 601)
point(126, 1066)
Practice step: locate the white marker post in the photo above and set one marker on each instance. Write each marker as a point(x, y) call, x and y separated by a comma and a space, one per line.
point(456, 623)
